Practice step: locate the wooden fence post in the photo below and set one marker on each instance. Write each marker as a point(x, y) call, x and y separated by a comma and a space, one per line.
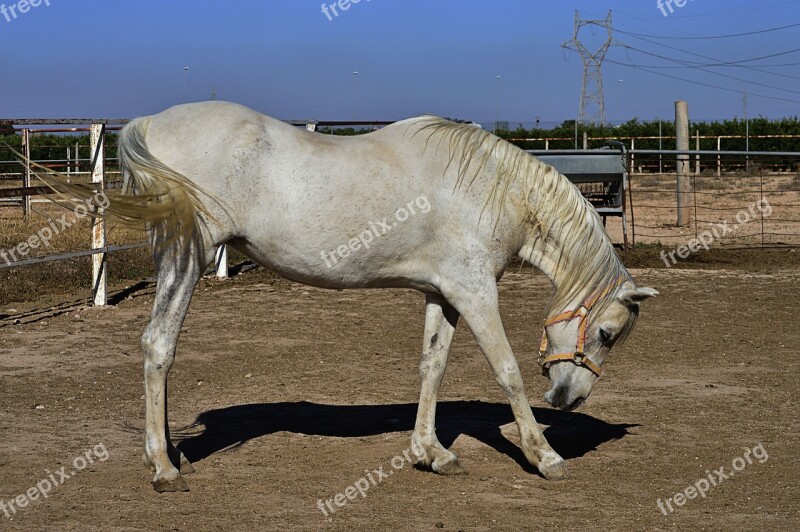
point(682, 144)
point(99, 260)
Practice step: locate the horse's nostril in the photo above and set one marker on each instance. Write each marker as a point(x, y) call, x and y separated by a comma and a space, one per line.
point(576, 403)
point(557, 396)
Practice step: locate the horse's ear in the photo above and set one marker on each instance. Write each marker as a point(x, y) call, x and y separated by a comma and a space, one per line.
point(633, 296)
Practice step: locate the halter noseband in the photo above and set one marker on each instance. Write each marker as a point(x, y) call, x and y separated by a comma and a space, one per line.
point(578, 357)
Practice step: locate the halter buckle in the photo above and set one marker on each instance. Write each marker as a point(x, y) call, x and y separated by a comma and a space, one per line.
point(545, 367)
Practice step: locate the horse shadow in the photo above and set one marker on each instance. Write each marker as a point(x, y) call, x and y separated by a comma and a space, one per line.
point(572, 434)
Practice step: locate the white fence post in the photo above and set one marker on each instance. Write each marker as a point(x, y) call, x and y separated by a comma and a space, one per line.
point(26, 177)
point(697, 147)
point(221, 262)
point(98, 224)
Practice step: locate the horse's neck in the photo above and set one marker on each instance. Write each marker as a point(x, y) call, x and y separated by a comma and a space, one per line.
point(556, 263)
point(544, 256)
point(572, 276)
point(566, 238)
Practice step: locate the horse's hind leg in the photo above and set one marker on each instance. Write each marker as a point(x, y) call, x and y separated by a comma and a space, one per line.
point(440, 323)
point(179, 269)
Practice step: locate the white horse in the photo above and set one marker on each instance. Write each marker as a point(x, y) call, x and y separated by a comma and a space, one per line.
point(426, 204)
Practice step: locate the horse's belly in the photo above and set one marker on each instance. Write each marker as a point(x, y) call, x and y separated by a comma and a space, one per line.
point(330, 269)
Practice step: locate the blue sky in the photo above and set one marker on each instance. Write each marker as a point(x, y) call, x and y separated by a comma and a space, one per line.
point(122, 58)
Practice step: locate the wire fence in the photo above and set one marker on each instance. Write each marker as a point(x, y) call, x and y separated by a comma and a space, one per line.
point(740, 200)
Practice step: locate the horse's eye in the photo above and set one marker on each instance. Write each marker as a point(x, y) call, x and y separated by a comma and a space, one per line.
point(605, 336)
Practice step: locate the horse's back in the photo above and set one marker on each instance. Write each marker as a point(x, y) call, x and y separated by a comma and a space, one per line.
point(290, 196)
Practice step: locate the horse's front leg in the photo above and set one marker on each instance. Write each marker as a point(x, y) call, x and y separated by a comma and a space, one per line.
point(479, 306)
point(440, 323)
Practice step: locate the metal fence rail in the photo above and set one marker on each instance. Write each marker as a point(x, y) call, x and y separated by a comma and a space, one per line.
point(71, 255)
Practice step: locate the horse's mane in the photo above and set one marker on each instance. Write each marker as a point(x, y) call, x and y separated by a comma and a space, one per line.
point(561, 215)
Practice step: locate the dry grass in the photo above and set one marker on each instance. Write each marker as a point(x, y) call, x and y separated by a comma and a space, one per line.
point(27, 283)
point(644, 181)
point(789, 185)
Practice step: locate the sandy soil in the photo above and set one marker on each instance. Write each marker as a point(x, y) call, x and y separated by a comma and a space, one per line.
point(283, 395)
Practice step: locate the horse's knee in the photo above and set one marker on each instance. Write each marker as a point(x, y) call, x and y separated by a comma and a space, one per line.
point(430, 365)
point(511, 382)
point(158, 354)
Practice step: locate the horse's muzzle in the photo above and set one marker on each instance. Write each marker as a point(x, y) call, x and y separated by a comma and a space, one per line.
point(560, 397)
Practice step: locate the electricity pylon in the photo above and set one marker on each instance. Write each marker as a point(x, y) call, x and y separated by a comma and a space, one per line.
point(593, 107)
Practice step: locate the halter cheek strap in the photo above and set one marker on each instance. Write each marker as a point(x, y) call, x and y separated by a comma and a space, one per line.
point(577, 357)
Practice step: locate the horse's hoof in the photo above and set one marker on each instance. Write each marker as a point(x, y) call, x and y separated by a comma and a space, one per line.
point(186, 467)
point(557, 471)
point(452, 467)
point(164, 485)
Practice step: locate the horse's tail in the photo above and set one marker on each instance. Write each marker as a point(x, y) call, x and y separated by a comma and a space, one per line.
point(153, 195)
point(152, 192)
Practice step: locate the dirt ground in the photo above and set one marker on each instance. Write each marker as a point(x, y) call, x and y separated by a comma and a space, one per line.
point(283, 395)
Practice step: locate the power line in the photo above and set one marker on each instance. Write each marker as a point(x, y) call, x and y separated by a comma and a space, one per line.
point(760, 6)
point(705, 69)
point(750, 64)
point(720, 74)
point(698, 65)
point(718, 87)
point(718, 62)
point(672, 37)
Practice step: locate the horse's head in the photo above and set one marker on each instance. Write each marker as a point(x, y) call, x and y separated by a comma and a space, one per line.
point(576, 342)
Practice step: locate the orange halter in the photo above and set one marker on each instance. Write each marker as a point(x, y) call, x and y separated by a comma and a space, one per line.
point(577, 357)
